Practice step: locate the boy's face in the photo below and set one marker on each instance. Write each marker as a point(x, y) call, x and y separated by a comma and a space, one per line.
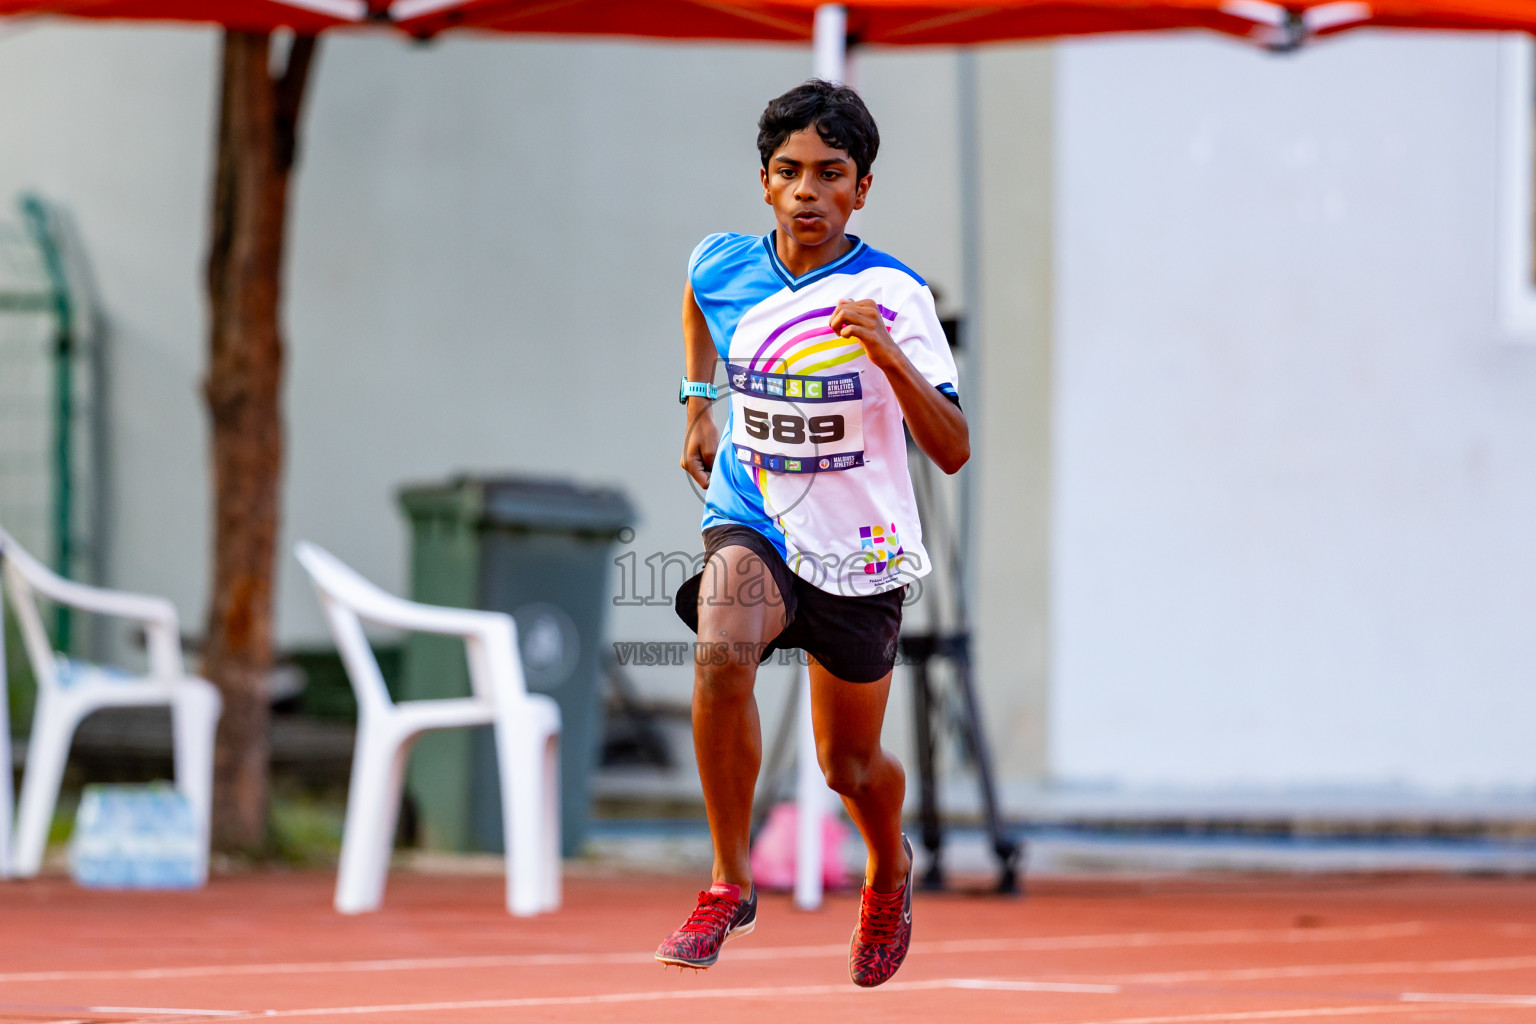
point(813, 188)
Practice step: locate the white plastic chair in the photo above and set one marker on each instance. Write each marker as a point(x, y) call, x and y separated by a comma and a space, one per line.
point(68, 690)
point(527, 728)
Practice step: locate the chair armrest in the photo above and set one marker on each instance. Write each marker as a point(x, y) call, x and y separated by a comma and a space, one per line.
point(490, 638)
point(398, 613)
point(116, 603)
point(339, 582)
point(156, 613)
point(495, 668)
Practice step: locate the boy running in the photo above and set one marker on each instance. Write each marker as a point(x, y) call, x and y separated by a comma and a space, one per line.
point(810, 525)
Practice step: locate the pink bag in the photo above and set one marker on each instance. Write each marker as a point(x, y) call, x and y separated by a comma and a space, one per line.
point(773, 855)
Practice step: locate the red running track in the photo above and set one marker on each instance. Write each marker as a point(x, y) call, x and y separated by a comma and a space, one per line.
point(1214, 949)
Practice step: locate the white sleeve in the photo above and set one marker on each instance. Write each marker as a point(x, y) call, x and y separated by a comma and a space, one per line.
point(921, 338)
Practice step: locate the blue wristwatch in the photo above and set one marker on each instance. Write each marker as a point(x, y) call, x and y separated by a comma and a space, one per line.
point(695, 389)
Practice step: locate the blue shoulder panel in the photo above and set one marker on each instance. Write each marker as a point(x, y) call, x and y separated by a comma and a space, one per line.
point(733, 497)
point(730, 274)
point(872, 257)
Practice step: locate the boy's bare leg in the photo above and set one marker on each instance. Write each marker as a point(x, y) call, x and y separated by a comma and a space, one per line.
point(727, 736)
point(848, 717)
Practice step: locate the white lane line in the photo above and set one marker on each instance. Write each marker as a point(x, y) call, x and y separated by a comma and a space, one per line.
point(173, 1011)
point(1124, 940)
point(137, 1012)
point(1407, 1002)
point(1224, 1017)
point(1007, 985)
point(1467, 966)
point(1483, 998)
point(609, 998)
point(15, 1008)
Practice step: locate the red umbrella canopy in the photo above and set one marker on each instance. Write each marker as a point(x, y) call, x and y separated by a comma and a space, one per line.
point(306, 16)
point(1280, 25)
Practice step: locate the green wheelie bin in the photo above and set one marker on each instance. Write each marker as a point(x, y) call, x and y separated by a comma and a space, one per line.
point(539, 550)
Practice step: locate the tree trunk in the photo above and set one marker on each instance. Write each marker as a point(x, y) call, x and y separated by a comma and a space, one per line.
point(258, 119)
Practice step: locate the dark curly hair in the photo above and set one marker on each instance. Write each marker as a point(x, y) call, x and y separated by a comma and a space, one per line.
point(839, 115)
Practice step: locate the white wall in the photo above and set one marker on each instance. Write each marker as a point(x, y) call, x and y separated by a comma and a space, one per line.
point(1294, 493)
point(114, 123)
point(1010, 407)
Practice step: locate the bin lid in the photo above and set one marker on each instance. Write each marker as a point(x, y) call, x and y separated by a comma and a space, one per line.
point(525, 502)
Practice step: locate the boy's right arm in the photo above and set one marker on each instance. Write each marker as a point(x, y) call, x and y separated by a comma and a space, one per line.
point(702, 437)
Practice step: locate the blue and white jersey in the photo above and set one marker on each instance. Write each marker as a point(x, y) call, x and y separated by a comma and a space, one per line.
point(814, 456)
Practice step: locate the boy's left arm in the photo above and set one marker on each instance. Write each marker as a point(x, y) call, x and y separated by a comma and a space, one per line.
point(937, 424)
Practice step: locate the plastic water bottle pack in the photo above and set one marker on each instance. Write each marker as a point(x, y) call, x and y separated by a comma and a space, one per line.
point(135, 837)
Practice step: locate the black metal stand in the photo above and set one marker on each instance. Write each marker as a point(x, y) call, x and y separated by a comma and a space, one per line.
point(919, 649)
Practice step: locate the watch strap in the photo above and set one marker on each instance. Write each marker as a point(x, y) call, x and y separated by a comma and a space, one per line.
point(697, 389)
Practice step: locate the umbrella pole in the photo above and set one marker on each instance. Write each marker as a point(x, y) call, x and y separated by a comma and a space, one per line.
point(829, 56)
point(830, 44)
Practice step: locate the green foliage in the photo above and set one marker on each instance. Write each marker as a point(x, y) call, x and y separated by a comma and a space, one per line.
point(63, 824)
point(304, 828)
point(327, 693)
point(21, 687)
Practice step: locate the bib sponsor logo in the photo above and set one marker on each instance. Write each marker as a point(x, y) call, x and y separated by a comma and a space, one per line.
point(789, 424)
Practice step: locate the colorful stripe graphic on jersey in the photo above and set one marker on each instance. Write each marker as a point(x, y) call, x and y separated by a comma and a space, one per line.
point(814, 349)
point(814, 449)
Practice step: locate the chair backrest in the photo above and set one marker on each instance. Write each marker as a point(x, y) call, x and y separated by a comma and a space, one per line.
point(495, 669)
point(19, 571)
point(344, 595)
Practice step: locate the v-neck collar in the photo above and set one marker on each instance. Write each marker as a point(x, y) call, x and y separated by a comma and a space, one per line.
point(811, 276)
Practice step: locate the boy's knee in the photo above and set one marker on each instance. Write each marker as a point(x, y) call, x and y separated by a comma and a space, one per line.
point(728, 678)
point(847, 772)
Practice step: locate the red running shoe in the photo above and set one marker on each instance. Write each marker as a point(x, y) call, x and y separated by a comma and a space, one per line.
point(880, 941)
point(721, 914)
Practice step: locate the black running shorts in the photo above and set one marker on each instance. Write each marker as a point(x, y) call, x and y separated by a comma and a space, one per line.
point(852, 637)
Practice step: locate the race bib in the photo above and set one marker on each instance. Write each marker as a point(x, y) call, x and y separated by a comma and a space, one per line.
point(788, 424)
